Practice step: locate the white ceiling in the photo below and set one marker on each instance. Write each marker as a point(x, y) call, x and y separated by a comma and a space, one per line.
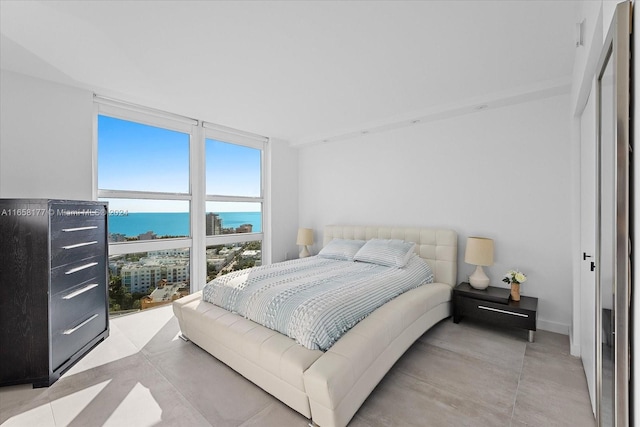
point(296, 70)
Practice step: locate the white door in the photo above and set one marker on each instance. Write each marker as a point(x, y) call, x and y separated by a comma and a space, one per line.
point(587, 245)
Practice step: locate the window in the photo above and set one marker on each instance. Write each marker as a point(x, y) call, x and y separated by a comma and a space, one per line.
point(234, 198)
point(186, 202)
point(233, 187)
point(143, 171)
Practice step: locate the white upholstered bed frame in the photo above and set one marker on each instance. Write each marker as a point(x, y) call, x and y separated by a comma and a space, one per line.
point(329, 387)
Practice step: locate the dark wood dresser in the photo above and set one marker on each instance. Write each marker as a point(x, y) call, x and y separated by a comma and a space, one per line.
point(53, 286)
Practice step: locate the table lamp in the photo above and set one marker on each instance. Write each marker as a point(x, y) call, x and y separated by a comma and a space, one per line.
point(305, 238)
point(479, 252)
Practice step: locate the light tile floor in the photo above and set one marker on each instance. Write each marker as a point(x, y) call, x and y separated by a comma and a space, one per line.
point(464, 374)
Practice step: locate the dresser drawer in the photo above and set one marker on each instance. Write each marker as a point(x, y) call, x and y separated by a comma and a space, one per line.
point(74, 273)
point(82, 244)
point(496, 312)
point(66, 341)
point(70, 306)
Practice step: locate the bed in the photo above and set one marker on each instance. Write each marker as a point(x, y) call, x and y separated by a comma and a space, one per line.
point(328, 386)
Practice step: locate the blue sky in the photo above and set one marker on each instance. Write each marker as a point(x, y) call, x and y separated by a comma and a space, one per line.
point(138, 157)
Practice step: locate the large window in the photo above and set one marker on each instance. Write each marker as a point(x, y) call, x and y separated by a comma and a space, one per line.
point(233, 187)
point(234, 202)
point(186, 202)
point(143, 171)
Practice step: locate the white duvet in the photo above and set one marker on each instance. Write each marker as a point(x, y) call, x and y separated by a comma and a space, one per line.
point(314, 300)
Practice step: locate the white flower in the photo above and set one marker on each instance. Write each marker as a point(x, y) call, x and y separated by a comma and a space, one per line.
point(514, 276)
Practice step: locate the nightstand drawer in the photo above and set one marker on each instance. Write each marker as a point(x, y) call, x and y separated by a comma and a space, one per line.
point(495, 312)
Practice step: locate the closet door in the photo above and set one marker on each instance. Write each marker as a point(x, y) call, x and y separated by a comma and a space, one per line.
point(588, 245)
point(612, 224)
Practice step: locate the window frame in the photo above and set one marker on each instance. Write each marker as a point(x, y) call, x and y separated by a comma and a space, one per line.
point(153, 118)
point(226, 135)
point(199, 132)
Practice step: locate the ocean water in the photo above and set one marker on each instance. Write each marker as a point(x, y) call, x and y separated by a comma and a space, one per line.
point(175, 223)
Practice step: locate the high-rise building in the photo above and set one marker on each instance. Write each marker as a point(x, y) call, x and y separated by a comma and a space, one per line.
point(213, 224)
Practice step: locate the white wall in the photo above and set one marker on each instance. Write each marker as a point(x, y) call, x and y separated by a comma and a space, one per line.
point(45, 139)
point(501, 173)
point(284, 201)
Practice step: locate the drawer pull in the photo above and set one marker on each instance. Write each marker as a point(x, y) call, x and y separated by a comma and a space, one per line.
point(80, 291)
point(503, 311)
point(72, 330)
point(70, 230)
point(79, 245)
point(82, 267)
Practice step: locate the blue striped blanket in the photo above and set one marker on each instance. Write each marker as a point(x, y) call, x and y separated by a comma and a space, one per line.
point(314, 300)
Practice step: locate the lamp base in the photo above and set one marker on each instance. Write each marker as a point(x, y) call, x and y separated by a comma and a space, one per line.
point(479, 280)
point(304, 252)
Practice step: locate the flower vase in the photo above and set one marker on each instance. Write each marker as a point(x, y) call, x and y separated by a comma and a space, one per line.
point(515, 291)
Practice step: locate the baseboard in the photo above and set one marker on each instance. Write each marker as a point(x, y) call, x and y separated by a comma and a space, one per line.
point(558, 328)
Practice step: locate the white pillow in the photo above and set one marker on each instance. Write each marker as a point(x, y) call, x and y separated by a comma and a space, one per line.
point(341, 249)
point(392, 252)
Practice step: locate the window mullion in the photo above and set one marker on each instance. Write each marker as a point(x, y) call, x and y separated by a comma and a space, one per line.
point(198, 207)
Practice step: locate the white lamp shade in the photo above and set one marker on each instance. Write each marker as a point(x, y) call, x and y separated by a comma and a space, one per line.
point(479, 251)
point(305, 237)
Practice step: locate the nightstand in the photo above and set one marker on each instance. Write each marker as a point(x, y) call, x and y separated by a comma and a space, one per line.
point(494, 305)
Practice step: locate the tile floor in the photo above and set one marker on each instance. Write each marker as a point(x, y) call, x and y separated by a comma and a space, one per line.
point(455, 375)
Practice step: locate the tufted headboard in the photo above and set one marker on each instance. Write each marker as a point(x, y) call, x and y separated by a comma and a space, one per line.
point(437, 246)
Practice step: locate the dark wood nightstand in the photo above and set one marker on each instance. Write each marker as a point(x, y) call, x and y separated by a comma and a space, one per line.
point(493, 304)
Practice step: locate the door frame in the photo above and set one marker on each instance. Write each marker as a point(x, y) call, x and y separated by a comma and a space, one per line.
point(616, 48)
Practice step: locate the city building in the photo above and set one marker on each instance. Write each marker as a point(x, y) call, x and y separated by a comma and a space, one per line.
point(143, 275)
point(244, 228)
point(213, 224)
point(163, 294)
